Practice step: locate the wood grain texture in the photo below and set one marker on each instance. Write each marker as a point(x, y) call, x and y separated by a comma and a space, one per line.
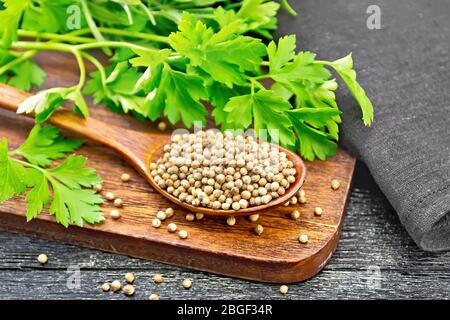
point(275, 256)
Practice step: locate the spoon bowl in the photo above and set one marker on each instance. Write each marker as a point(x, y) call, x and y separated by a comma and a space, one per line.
point(139, 149)
point(157, 151)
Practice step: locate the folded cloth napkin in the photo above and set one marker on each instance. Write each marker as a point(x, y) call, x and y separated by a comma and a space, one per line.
point(405, 68)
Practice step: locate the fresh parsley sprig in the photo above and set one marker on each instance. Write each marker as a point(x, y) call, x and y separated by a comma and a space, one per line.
point(171, 57)
point(62, 188)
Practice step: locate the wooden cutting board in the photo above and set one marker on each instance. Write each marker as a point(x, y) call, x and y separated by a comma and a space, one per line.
point(213, 246)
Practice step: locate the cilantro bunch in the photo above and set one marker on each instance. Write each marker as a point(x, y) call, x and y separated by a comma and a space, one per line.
point(170, 58)
point(25, 170)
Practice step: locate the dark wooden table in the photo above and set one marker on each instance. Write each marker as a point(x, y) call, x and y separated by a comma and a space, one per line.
point(375, 258)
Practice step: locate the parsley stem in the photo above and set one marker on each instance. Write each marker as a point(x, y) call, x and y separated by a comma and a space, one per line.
point(91, 23)
point(54, 36)
point(82, 68)
point(97, 64)
point(125, 33)
point(105, 44)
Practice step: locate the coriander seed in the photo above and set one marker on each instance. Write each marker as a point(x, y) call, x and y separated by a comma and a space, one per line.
point(98, 187)
point(153, 296)
point(259, 229)
point(187, 283)
point(106, 287)
point(302, 200)
point(116, 285)
point(303, 238)
point(161, 215)
point(295, 214)
point(169, 212)
point(231, 221)
point(172, 227)
point(125, 177)
point(301, 193)
point(190, 217)
point(162, 126)
point(157, 278)
point(284, 289)
point(109, 196)
point(253, 217)
point(199, 216)
point(335, 184)
point(115, 214)
point(318, 211)
point(118, 203)
point(42, 258)
point(183, 234)
point(156, 223)
point(128, 290)
point(129, 277)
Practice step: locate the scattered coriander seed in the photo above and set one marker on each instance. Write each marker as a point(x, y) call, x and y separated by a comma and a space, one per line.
point(161, 215)
point(199, 216)
point(293, 200)
point(335, 184)
point(301, 193)
point(116, 285)
point(284, 289)
point(187, 283)
point(318, 211)
point(253, 217)
point(118, 203)
point(286, 204)
point(153, 296)
point(169, 212)
point(125, 177)
point(183, 234)
point(259, 229)
point(109, 196)
point(172, 227)
point(98, 187)
point(303, 238)
point(106, 287)
point(128, 290)
point(157, 278)
point(156, 223)
point(42, 258)
point(190, 217)
point(302, 200)
point(162, 126)
point(129, 277)
point(231, 221)
point(295, 214)
point(115, 214)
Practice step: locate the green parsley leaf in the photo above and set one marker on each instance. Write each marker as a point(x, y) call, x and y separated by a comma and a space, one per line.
point(313, 142)
point(12, 174)
point(68, 201)
point(9, 19)
point(46, 144)
point(224, 55)
point(73, 173)
point(26, 74)
point(344, 67)
point(268, 112)
point(178, 94)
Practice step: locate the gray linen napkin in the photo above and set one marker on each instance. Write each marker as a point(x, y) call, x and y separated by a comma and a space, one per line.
point(405, 68)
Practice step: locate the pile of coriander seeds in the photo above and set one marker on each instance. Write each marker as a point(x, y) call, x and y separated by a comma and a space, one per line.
point(222, 171)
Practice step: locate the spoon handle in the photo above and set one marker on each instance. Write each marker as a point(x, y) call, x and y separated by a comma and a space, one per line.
point(124, 141)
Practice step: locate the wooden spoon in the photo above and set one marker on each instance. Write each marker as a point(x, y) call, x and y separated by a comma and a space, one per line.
point(139, 149)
